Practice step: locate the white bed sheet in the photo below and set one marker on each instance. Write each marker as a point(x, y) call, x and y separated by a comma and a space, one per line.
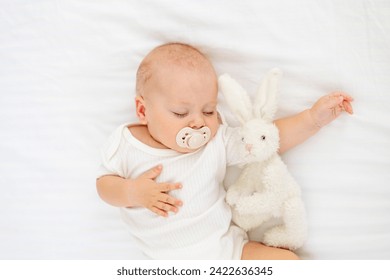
point(67, 80)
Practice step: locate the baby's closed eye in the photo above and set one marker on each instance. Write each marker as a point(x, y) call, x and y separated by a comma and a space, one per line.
point(180, 115)
point(209, 113)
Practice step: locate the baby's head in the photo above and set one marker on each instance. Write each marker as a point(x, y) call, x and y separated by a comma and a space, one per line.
point(176, 88)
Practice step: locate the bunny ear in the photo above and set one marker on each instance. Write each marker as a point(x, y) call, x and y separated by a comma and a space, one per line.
point(266, 100)
point(236, 98)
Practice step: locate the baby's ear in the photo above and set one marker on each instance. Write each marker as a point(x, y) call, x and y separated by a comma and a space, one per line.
point(140, 109)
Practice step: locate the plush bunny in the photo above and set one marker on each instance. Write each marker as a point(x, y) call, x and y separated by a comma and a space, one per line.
point(265, 188)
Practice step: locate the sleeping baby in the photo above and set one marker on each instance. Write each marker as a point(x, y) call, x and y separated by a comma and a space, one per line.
point(166, 171)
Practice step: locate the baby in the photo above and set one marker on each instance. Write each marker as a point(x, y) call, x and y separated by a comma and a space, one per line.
point(180, 212)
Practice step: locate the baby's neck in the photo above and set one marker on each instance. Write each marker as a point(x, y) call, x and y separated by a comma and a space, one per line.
point(141, 133)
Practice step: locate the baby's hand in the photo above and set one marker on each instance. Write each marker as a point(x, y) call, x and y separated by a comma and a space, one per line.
point(329, 107)
point(154, 196)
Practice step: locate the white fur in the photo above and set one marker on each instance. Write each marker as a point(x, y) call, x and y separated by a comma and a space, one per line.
point(265, 189)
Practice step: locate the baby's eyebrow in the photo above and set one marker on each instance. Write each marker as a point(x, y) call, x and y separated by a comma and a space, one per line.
point(211, 104)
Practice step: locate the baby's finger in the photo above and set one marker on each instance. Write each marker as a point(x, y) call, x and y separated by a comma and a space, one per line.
point(346, 96)
point(165, 198)
point(159, 212)
point(166, 187)
point(341, 96)
point(152, 173)
point(165, 207)
point(347, 107)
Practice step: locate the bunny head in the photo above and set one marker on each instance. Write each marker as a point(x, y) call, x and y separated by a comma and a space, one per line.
point(258, 134)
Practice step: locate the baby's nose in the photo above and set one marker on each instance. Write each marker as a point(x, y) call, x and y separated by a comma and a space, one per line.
point(197, 122)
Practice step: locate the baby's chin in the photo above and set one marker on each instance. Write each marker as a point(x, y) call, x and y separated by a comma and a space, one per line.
point(185, 150)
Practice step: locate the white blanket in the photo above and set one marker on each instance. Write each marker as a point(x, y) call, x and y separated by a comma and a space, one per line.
point(67, 80)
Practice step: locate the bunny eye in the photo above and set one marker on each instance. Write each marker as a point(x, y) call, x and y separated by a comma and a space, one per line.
point(242, 139)
point(263, 137)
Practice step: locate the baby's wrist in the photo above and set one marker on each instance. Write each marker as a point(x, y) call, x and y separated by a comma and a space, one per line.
point(312, 119)
point(131, 193)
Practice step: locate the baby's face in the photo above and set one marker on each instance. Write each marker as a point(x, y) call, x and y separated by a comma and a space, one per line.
point(176, 98)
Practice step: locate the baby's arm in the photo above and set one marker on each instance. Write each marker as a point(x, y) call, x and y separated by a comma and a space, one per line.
point(296, 129)
point(139, 192)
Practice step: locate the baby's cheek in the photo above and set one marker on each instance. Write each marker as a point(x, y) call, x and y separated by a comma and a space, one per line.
point(214, 130)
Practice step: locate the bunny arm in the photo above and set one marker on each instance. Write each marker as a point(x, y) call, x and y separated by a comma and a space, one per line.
point(261, 202)
point(274, 185)
point(243, 187)
point(233, 194)
point(236, 193)
point(250, 193)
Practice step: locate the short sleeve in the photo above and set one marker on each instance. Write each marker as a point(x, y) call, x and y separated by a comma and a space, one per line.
point(111, 156)
point(232, 141)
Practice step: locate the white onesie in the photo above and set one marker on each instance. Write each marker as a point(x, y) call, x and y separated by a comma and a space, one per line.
point(202, 227)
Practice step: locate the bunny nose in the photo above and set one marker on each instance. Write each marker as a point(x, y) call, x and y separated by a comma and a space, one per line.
point(248, 147)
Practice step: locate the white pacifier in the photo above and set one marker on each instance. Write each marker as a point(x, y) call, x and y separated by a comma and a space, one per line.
point(193, 138)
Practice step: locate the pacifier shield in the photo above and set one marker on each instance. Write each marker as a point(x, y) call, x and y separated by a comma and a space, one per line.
point(193, 138)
